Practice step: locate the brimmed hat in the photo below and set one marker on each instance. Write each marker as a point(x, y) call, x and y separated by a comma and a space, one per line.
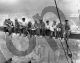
point(66, 20)
point(47, 21)
point(8, 19)
point(23, 18)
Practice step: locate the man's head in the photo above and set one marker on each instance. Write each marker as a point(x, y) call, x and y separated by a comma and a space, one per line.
point(29, 22)
point(41, 20)
point(23, 19)
point(54, 22)
point(16, 19)
point(47, 22)
point(8, 18)
point(66, 21)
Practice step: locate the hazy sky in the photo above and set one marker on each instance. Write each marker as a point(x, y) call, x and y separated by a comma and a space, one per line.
point(23, 6)
point(30, 7)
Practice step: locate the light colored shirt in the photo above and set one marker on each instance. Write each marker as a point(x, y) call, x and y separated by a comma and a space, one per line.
point(23, 23)
point(48, 27)
point(52, 27)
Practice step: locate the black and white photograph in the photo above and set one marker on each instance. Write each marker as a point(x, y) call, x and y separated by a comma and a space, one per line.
point(39, 31)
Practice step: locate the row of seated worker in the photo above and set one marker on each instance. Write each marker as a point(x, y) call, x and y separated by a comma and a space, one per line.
point(37, 24)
